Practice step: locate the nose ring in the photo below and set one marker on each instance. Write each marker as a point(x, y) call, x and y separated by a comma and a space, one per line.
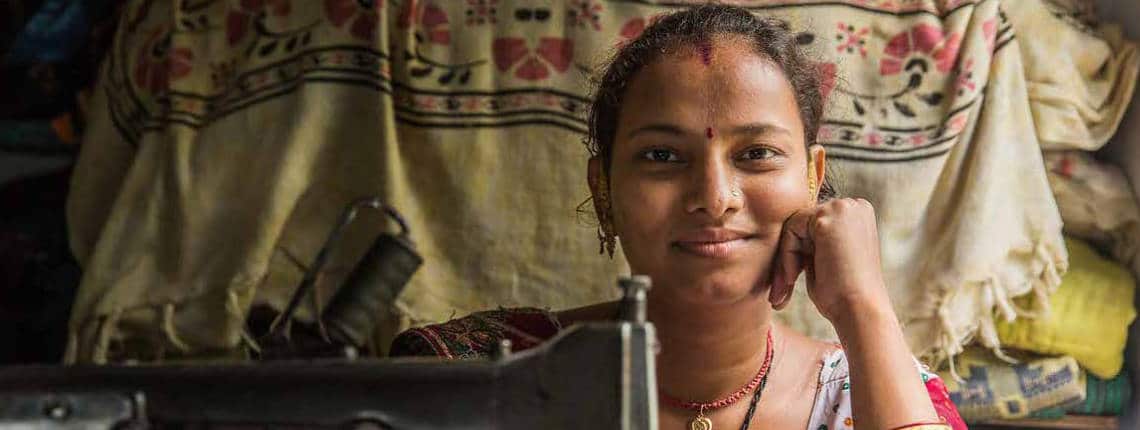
point(736, 193)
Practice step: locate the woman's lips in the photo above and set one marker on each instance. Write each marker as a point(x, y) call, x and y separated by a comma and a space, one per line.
point(713, 243)
point(723, 249)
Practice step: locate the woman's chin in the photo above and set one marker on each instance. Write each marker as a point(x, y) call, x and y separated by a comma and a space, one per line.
point(722, 287)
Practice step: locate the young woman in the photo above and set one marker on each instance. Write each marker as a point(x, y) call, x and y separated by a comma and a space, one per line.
point(705, 166)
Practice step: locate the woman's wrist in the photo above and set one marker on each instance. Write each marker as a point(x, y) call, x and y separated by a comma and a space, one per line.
point(883, 371)
point(861, 309)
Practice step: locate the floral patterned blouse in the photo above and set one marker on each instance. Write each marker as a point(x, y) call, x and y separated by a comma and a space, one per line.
point(477, 335)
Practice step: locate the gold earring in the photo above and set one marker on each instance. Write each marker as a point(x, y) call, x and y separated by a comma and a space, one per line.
point(811, 184)
point(606, 237)
point(606, 231)
point(606, 242)
point(601, 241)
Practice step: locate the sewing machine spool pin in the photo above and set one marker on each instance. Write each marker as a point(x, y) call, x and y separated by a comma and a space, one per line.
point(376, 280)
point(633, 298)
point(502, 350)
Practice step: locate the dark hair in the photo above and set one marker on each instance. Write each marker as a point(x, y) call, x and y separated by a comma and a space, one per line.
point(696, 26)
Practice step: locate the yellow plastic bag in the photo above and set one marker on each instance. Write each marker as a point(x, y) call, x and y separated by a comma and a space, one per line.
point(1089, 318)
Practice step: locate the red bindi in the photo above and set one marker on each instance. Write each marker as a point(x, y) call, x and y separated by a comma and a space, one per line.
point(705, 48)
point(709, 132)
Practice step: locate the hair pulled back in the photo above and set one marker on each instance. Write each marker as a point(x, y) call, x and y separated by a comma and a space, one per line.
point(770, 38)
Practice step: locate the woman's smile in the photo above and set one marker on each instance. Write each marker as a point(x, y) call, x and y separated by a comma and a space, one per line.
point(714, 242)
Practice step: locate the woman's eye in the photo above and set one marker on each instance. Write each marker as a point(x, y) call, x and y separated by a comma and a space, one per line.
point(758, 154)
point(661, 155)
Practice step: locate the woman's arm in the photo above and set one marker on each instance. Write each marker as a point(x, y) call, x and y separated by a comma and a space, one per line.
point(837, 244)
point(886, 389)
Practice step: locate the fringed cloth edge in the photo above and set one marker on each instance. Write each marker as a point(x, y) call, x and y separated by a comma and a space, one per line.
point(1049, 262)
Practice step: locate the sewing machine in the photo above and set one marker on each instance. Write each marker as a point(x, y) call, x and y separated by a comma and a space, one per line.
point(596, 376)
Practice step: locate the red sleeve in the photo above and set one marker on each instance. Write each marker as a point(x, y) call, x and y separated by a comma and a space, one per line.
point(942, 404)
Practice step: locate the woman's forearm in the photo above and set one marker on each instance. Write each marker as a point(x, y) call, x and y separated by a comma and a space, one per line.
point(887, 390)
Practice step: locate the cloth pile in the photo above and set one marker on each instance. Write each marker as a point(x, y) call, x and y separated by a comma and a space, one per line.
point(1085, 331)
point(229, 134)
point(1081, 76)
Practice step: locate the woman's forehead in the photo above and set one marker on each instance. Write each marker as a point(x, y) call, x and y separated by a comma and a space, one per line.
point(722, 83)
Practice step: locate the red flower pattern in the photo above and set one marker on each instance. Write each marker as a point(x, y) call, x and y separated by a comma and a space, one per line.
point(956, 123)
point(827, 74)
point(635, 26)
point(852, 39)
point(825, 133)
point(360, 15)
point(239, 20)
point(922, 39)
point(632, 28)
point(1064, 167)
point(584, 13)
point(551, 52)
point(430, 17)
point(481, 12)
point(964, 80)
point(874, 138)
point(157, 64)
point(989, 30)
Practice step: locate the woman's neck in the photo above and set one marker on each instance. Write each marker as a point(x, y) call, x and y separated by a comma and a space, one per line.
point(708, 351)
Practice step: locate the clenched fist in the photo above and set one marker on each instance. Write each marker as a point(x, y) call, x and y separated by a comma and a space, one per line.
point(837, 244)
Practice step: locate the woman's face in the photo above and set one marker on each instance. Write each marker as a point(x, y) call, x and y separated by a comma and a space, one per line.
point(708, 161)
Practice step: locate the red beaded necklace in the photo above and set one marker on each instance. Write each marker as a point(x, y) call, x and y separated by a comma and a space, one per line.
point(701, 422)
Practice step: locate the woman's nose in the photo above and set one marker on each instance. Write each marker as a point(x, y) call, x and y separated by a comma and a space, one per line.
point(713, 189)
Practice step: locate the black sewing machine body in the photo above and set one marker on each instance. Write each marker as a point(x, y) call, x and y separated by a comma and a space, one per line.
point(596, 376)
point(591, 376)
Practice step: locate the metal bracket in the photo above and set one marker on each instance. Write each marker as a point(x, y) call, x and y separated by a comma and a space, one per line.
point(73, 411)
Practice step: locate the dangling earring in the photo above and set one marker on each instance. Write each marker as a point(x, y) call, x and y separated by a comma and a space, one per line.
point(609, 241)
point(606, 237)
point(811, 186)
point(605, 242)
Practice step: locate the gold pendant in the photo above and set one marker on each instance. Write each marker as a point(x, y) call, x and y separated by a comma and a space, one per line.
point(700, 423)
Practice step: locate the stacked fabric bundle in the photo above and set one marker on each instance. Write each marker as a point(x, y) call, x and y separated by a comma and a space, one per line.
point(1090, 315)
point(1080, 81)
point(1102, 397)
point(1085, 332)
point(990, 389)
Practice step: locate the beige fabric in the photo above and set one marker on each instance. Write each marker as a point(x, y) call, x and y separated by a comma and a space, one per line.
point(1096, 203)
point(224, 156)
point(965, 231)
point(182, 228)
point(1080, 75)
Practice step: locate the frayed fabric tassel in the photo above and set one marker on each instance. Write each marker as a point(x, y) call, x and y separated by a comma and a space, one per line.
point(168, 328)
point(103, 338)
point(949, 346)
point(233, 309)
point(987, 328)
point(71, 355)
point(954, 366)
point(1001, 299)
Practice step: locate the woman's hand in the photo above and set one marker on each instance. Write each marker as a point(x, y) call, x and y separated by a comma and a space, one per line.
point(837, 244)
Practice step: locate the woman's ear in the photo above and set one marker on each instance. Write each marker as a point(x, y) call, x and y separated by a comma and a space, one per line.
point(817, 169)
